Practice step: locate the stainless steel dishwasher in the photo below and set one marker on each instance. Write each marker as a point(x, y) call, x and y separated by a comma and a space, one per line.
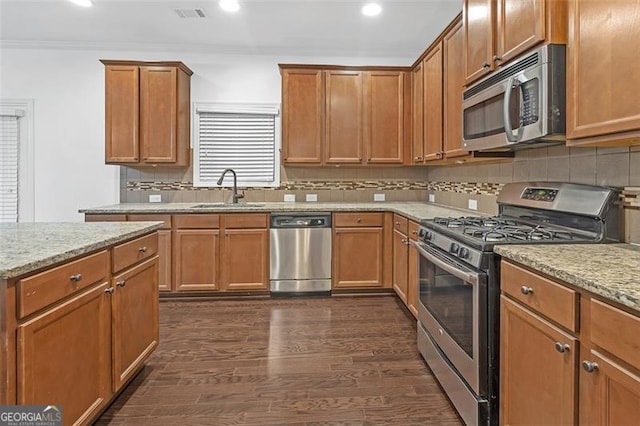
point(300, 253)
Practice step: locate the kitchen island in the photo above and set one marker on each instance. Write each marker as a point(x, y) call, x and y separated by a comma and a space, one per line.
point(78, 312)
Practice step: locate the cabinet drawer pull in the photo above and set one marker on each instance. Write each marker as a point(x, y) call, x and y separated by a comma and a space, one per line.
point(562, 347)
point(358, 220)
point(121, 283)
point(397, 223)
point(142, 249)
point(418, 158)
point(485, 65)
point(526, 290)
point(76, 277)
point(497, 58)
point(414, 232)
point(109, 290)
point(589, 366)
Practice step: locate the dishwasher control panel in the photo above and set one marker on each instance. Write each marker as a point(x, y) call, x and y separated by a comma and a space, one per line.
point(301, 220)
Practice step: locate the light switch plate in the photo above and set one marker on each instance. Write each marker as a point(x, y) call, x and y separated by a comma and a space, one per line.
point(378, 197)
point(432, 198)
point(289, 198)
point(311, 197)
point(155, 198)
point(473, 204)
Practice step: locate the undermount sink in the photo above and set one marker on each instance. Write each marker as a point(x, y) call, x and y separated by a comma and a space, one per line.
point(226, 205)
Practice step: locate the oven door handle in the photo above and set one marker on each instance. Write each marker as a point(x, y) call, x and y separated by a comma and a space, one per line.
point(468, 277)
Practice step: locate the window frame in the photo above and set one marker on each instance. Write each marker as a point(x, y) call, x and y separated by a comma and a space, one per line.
point(236, 108)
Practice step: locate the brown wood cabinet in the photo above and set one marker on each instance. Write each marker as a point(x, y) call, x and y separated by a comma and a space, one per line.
point(497, 31)
point(453, 82)
point(602, 69)
point(135, 326)
point(302, 115)
point(413, 274)
point(196, 259)
point(147, 113)
point(75, 345)
point(538, 383)
point(581, 367)
point(358, 250)
point(417, 113)
point(245, 252)
point(64, 356)
point(344, 115)
point(400, 257)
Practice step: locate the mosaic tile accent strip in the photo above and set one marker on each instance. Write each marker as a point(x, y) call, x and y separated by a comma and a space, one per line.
point(631, 197)
point(386, 185)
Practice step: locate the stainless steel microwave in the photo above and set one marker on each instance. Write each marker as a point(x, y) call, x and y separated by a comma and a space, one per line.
point(521, 105)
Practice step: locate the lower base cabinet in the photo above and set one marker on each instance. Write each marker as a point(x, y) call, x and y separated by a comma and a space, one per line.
point(245, 259)
point(195, 260)
point(64, 356)
point(357, 258)
point(586, 372)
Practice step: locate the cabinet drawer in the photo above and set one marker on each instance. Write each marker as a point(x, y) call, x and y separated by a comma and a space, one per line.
point(616, 331)
point(401, 223)
point(197, 221)
point(166, 218)
point(45, 288)
point(246, 220)
point(555, 301)
point(413, 230)
point(131, 252)
point(357, 219)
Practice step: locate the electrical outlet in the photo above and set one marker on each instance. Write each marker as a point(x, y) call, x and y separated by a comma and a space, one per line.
point(432, 198)
point(473, 204)
point(289, 198)
point(311, 197)
point(155, 198)
point(378, 197)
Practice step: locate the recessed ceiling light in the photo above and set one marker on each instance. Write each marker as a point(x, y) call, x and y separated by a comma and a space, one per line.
point(371, 9)
point(83, 3)
point(229, 5)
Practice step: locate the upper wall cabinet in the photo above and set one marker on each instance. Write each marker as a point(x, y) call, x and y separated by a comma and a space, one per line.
point(497, 31)
point(147, 113)
point(343, 115)
point(603, 67)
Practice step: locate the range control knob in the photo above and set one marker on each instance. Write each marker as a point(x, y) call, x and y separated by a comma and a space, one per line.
point(428, 235)
point(421, 233)
point(454, 248)
point(463, 253)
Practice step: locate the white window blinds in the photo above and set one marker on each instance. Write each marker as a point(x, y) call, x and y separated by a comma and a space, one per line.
point(242, 138)
point(9, 161)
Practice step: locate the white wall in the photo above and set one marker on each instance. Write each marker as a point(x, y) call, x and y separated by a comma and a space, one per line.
point(67, 87)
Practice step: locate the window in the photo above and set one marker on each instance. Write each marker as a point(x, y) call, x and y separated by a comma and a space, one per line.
point(245, 138)
point(9, 162)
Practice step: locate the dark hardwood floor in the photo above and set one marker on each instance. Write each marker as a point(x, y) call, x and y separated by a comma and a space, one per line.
point(284, 361)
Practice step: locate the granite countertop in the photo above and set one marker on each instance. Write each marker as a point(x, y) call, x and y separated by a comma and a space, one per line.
point(27, 247)
point(608, 270)
point(413, 210)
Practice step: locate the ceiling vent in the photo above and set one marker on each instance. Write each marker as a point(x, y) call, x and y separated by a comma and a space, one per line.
point(191, 13)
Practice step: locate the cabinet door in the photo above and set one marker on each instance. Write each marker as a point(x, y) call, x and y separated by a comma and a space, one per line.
point(537, 382)
point(613, 393)
point(520, 26)
point(121, 113)
point(603, 66)
point(412, 280)
point(400, 264)
point(433, 104)
point(417, 113)
point(164, 262)
point(64, 357)
point(343, 123)
point(134, 319)
point(478, 19)
point(245, 259)
point(384, 117)
point(453, 81)
point(302, 116)
point(357, 257)
point(196, 259)
point(158, 114)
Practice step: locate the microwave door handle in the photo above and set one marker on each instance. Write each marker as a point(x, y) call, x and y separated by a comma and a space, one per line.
point(505, 111)
point(467, 277)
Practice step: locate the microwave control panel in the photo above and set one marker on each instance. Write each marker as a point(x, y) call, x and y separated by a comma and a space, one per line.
point(539, 194)
point(529, 107)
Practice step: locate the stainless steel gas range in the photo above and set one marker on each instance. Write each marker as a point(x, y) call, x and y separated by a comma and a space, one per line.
point(459, 288)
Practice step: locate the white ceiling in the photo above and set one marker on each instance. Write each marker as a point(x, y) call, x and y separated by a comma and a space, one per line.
point(272, 27)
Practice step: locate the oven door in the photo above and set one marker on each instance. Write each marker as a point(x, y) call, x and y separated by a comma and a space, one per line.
point(453, 310)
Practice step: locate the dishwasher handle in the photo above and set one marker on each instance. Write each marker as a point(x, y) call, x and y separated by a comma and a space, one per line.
point(300, 220)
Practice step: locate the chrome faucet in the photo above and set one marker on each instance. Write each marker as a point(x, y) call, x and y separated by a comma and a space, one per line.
point(236, 196)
